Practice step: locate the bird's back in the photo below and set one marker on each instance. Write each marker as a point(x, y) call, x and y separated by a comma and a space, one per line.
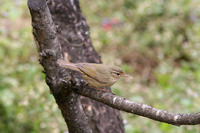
point(97, 74)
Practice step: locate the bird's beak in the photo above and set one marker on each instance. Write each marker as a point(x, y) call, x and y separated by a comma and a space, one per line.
point(126, 75)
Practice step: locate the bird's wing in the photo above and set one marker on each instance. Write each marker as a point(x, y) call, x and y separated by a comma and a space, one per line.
point(87, 68)
point(95, 71)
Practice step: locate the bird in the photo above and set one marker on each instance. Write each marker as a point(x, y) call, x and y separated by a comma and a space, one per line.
point(97, 75)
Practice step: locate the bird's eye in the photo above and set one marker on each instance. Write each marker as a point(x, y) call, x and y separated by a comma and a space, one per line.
point(118, 73)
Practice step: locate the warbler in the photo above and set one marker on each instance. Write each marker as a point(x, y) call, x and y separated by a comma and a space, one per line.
point(97, 75)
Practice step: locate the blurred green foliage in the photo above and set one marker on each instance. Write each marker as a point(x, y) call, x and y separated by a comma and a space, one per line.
point(157, 42)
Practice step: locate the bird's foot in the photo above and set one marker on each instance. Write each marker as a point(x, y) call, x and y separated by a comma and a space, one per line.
point(101, 90)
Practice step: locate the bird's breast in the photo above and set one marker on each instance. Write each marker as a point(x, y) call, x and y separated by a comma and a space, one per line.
point(94, 82)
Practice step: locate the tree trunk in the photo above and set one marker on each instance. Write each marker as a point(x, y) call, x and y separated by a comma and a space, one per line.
point(73, 36)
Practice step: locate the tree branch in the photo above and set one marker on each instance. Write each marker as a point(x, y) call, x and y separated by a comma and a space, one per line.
point(123, 104)
point(49, 50)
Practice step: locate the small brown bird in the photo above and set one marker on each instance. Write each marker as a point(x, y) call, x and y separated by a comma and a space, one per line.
point(97, 75)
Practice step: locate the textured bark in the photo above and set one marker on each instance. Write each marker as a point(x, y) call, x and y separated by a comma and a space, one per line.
point(73, 34)
point(50, 50)
point(123, 104)
point(71, 37)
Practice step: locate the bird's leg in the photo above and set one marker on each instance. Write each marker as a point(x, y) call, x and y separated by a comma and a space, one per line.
point(100, 89)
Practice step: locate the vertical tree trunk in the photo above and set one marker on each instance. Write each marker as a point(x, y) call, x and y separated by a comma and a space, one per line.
point(73, 34)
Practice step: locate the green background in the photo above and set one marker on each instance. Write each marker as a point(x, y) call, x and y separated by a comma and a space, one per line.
point(156, 41)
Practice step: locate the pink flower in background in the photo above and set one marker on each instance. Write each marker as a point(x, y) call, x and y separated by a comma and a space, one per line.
point(109, 23)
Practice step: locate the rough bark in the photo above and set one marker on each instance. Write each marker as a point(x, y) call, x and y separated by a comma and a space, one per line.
point(71, 37)
point(140, 109)
point(73, 34)
point(49, 50)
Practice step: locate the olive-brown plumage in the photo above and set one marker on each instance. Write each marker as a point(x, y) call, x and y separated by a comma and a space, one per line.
point(97, 75)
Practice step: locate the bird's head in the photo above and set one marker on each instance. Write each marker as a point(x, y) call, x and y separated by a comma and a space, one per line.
point(117, 72)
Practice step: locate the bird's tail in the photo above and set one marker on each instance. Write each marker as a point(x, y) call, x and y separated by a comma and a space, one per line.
point(66, 64)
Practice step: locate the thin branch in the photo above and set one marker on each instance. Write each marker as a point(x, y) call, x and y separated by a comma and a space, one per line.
point(123, 104)
point(49, 50)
